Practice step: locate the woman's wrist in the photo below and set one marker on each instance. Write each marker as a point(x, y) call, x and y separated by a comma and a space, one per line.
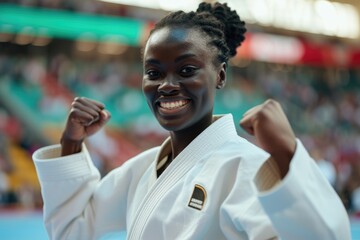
point(70, 146)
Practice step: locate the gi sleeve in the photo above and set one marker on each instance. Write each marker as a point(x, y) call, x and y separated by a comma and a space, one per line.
point(303, 205)
point(73, 196)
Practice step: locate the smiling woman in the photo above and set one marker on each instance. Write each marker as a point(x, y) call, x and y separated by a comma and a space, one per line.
point(204, 181)
point(180, 80)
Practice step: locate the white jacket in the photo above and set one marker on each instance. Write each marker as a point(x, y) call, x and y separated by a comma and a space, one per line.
point(207, 192)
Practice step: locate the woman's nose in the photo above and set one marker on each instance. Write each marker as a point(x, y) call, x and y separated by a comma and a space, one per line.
point(169, 85)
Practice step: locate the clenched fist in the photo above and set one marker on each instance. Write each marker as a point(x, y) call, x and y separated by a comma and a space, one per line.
point(272, 130)
point(86, 117)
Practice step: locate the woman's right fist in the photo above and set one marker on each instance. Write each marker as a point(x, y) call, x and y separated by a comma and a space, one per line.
point(86, 117)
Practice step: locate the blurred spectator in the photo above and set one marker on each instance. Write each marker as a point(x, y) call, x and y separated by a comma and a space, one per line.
point(104, 151)
point(6, 165)
point(4, 188)
point(326, 167)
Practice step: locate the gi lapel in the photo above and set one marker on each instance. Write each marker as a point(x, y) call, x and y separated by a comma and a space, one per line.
point(210, 139)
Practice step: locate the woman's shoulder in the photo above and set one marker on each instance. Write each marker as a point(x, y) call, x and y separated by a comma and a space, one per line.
point(243, 153)
point(242, 147)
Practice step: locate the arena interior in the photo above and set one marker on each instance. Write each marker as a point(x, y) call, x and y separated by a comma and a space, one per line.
point(303, 53)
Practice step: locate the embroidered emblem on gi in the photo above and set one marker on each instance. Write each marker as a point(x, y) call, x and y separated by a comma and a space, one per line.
point(198, 197)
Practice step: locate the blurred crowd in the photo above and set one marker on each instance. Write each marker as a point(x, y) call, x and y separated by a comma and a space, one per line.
point(323, 106)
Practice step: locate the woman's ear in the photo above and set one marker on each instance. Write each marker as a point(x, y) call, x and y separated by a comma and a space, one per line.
point(222, 76)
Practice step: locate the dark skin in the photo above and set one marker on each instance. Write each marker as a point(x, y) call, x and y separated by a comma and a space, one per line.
point(178, 70)
point(180, 80)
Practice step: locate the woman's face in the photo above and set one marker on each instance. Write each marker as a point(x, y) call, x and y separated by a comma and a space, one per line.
point(180, 78)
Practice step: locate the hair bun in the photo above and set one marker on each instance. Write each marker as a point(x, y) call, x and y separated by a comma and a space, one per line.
point(233, 28)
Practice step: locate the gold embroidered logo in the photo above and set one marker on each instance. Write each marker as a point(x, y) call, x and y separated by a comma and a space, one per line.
point(198, 197)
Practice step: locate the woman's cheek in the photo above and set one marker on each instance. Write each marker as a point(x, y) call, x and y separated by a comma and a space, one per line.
point(149, 89)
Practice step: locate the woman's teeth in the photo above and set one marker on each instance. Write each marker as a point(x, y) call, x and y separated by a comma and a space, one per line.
point(174, 104)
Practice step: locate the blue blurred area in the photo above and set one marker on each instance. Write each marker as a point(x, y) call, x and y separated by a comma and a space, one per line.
point(22, 225)
point(29, 226)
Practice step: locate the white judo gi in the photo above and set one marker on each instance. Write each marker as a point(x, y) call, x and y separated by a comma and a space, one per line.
point(217, 188)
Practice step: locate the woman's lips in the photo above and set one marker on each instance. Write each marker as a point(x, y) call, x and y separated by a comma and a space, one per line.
point(171, 107)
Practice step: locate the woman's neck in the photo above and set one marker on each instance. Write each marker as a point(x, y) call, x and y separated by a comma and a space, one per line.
point(181, 139)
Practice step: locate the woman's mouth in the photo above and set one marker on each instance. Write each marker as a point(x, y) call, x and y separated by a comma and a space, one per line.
point(173, 104)
point(173, 108)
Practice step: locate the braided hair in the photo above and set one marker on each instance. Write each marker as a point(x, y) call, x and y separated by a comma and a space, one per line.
point(218, 21)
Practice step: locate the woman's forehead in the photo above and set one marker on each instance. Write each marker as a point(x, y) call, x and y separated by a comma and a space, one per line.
point(176, 35)
point(170, 34)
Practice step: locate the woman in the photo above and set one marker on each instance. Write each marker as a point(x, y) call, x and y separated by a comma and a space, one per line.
point(204, 181)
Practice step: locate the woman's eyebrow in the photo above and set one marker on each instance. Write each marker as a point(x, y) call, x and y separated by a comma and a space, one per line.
point(152, 61)
point(184, 56)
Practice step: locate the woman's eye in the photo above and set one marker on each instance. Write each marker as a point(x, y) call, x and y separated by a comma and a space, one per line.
point(152, 74)
point(188, 70)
